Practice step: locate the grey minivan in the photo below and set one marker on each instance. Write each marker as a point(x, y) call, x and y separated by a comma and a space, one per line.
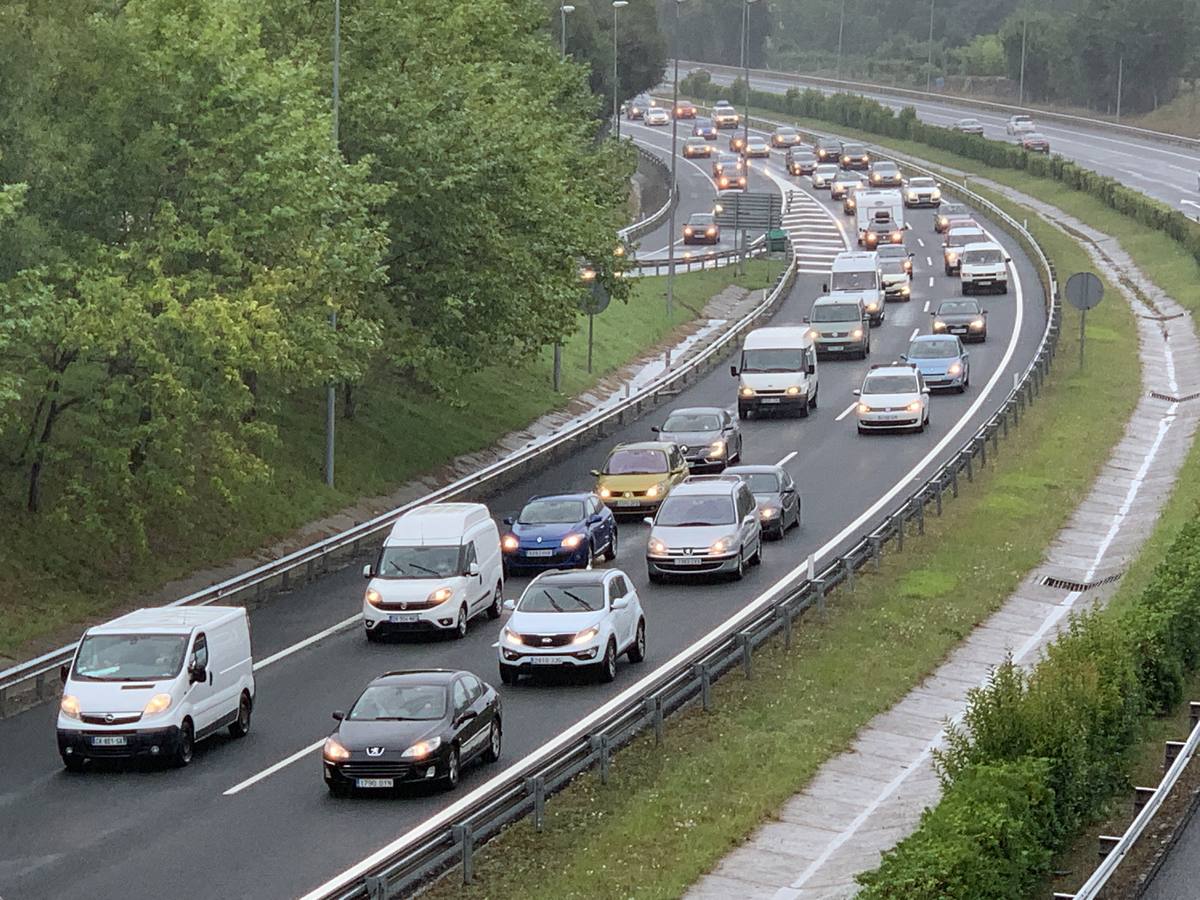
point(708, 525)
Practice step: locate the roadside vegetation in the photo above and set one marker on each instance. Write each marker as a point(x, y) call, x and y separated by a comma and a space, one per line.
point(670, 813)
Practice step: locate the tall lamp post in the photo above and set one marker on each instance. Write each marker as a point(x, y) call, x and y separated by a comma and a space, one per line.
point(1024, 32)
point(746, 120)
point(616, 5)
point(929, 64)
point(331, 389)
point(841, 31)
point(674, 157)
point(564, 11)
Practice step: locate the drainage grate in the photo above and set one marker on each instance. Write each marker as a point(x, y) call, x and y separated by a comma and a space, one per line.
point(1063, 584)
point(1157, 395)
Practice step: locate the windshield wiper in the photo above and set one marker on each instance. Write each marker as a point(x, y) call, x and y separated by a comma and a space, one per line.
point(578, 600)
point(690, 524)
point(423, 569)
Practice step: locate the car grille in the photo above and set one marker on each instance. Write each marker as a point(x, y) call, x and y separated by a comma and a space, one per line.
point(405, 604)
point(381, 768)
point(539, 641)
point(116, 718)
point(670, 565)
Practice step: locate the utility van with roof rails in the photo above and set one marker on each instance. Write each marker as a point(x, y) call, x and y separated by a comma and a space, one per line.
point(856, 275)
point(152, 683)
point(840, 326)
point(776, 371)
point(438, 568)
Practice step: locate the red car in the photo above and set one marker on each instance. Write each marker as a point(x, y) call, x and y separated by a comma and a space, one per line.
point(1035, 143)
point(685, 110)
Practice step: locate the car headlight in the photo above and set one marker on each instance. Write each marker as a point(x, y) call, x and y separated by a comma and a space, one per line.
point(955, 369)
point(872, 307)
point(586, 635)
point(571, 541)
point(747, 392)
point(512, 637)
point(422, 749)
point(913, 195)
point(159, 703)
point(850, 202)
point(856, 333)
point(657, 490)
point(69, 706)
point(509, 543)
point(605, 493)
point(334, 751)
point(977, 324)
point(813, 333)
point(441, 595)
point(654, 545)
point(951, 257)
point(792, 391)
point(711, 232)
point(939, 325)
point(716, 448)
point(845, 160)
point(935, 194)
point(373, 597)
point(687, 232)
point(723, 545)
point(862, 408)
point(915, 406)
point(905, 289)
point(768, 512)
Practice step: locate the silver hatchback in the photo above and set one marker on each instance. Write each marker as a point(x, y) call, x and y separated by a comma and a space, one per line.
point(708, 525)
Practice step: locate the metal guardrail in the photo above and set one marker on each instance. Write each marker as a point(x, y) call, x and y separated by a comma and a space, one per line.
point(449, 837)
point(688, 262)
point(1117, 853)
point(644, 226)
point(861, 87)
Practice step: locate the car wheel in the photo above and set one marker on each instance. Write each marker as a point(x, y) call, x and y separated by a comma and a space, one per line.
point(756, 559)
point(492, 753)
point(861, 430)
point(337, 789)
point(743, 412)
point(812, 401)
point(637, 650)
point(241, 725)
point(654, 577)
point(804, 411)
point(186, 746)
point(608, 665)
point(949, 271)
point(372, 636)
point(1004, 288)
point(740, 572)
point(509, 674)
point(450, 782)
point(460, 627)
point(590, 562)
point(73, 763)
point(611, 553)
point(493, 611)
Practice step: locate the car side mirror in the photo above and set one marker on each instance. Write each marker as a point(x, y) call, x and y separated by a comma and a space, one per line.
point(465, 716)
point(811, 369)
point(510, 605)
point(856, 392)
point(620, 603)
point(648, 520)
point(508, 520)
point(368, 571)
point(473, 569)
point(1008, 259)
point(338, 715)
point(904, 357)
point(655, 429)
point(804, 319)
point(197, 674)
point(824, 289)
point(733, 370)
point(596, 473)
point(64, 672)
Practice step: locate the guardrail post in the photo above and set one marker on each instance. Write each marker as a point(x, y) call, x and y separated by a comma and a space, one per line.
point(462, 833)
point(954, 480)
point(920, 501)
point(785, 612)
point(537, 787)
point(819, 584)
point(1106, 844)
point(284, 583)
point(970, 451)
point(658, 720)
point(996, 438)
point(982, 442)
point(876, 543)
point(899, 519)
point(705, 686)
point(1171, 750)
point(938, 487)
point(377, 887)
point(308, 572)
point(3, 702)
point(848, 565)
point(600, 746)
point(747, 653)
point(1141, 796)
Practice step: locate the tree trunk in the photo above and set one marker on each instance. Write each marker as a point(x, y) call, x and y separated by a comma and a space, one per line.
point(250, 380)
point(33, 501)
point(349, 402)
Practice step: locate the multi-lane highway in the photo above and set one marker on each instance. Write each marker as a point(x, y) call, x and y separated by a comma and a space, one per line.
point(253, 819)
point(1165, 171)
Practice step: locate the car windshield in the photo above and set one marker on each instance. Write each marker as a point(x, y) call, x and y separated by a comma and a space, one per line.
point(761, 482)
point(982, 257)
point(700, 219)
point(803, 155)
point(551, 512)
point(849, 177)
point(780, 359)
point(890, 384)
point(853, 281)
point(827, 169)
point(425, 561)
point(728, 159)
point(922, 183)
point(892, 266)
point(636, 462)
point(696, 142)
point(952, 209)
point(933, 349)
point(836, 312)
point(958, 308)
point(692, 422)
point(970, 123)
point(130, 657)
point(392, 702)
point(892, 251)
point(966, 236)
point(550, 598)
point(1034, 136)
point(884, 168)
point(681, 512)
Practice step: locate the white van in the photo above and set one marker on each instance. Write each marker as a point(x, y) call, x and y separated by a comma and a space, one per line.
point(155, 681)
point(983, 266)
point(777, 371)
point(856, 275)
point(439, 567)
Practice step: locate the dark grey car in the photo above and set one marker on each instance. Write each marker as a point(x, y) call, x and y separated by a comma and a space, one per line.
point(709, 436)
point(965, 317)
point(775, 495)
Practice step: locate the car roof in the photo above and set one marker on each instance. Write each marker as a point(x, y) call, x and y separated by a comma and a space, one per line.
point(705, 410)
point(578, 495)
point(576, 576)
point(971, 300)
point(891, 369)
point(758, 469)
point(836, 299)
point(933, 338)
point(643, 445)
point(982, 245)
point(418, 676)
point(892, 250)
point(706, 486)
point(167, 620)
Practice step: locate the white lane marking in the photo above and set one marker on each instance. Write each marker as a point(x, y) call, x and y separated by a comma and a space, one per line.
point(931, 285)
point(845, 412)
point(307, 642)
point(788, 458)
point(913, 336)
point(921, 242)
point(929, 260)
point(271, 770)
point(926, 308)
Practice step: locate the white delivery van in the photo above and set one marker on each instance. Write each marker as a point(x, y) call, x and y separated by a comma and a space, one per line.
point(777, 370)
point(439, 567)
point(983, 267)
point(879, 216)
point(155, 681)
point(856, 274)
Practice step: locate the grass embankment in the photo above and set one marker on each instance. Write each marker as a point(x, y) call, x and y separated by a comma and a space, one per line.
point(670, 813)
point(398, 433)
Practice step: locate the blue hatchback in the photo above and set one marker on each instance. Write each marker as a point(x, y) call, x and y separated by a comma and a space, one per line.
point(704, 128)
point(563, 531)
point(942, 361)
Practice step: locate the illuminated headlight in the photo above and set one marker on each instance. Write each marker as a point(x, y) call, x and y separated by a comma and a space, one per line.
point(655, 546)
point(977, 324)
point(605, 493)
point(159, 703)
point(509, 543)
point(711, 232)
point(862, 409)
point(935, 194)
point(717, 448)
point(747, 392)
point(872, 307)
point(915, 406)
point(951, 257)
point(856, 333)
point(571, 541)
point(905, 290)
point(912, 195)
point(872, 237)
point(724, 182)
point(69, 706)
point(334, 751)
point(875, 178)
point(422, 749)
point(813, 333)
point(941, 220)
point(687, 232)
point(373, 597)
point(723, 545)
point(768, 512)
point(586, 635)
point(792, 391)
point(897, 237)
point(655, 490)
point(939, 325)
point(512, 637)
point(441, 595)
point(850, 204)
point(955, 369)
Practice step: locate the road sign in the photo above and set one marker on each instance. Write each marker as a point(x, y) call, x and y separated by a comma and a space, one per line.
point(595, 299)
point(752, 211)
point(1084, 290)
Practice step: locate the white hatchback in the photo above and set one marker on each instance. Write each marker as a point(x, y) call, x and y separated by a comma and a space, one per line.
point(573, 620)
point(892, 398)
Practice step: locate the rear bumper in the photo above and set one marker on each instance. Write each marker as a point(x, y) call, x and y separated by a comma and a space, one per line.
point(147, 742)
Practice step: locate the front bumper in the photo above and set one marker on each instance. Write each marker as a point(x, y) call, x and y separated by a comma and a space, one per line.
point(628, 506)
point(840, 346)
point(772, 402)
point(925, 202)
point(692, 565)
point(526, 660)
point(943, 381)
point(900, 290)
point(524, 558)
point(348, 774)
point(879, 422)
point(701, 239)
point(442, 617)
point(139, 742)
point(983, 282)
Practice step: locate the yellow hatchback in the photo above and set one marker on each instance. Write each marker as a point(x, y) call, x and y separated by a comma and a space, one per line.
point(636, 477)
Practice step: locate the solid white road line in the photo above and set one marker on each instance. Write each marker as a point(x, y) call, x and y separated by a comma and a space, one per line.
point(845, 412)
point(307, 642)
point(268, 772)
point(788, 458)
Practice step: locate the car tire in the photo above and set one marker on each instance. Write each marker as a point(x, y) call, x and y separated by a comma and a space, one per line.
point(740, 572)
point(337, 789)
point(185, 746)
point(493, 611)
point(74, 763)
point(608, 666)
point(756, 559)
point(611, 553)
point(743, 412)
point(804, 410)
point(495, 739)
point(460, 626)
point(1004, 288)
point(590, 561)
point(812, 401)
point(241, 725)
point(453, 770)
point(861, 430)
point(637, 650)
point(949, 271)
point(509, 674)
point(372, 636)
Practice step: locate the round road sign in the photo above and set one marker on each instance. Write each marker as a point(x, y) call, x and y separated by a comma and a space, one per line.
point(1084, 290)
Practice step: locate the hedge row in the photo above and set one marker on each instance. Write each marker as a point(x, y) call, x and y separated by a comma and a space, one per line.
point(1040, 753)
point(860, 113)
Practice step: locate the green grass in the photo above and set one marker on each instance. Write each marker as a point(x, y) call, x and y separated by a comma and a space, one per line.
point(670, 813)
point(49, 584)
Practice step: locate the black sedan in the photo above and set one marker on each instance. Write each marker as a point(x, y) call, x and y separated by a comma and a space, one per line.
point(800, 160)
point(966, 318)
point(885, 173)
point(419, 726)
point(708, 436)
point(775, 495)
point(829, 150)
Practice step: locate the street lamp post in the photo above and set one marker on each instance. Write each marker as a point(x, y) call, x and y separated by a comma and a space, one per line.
point(841, 30)
point(616, 5)
point(674, 158)
point(929, 64)
point(331, 389)
point(1024, 33)
point(1120, 83)
point(746, 113)
point(564, 10)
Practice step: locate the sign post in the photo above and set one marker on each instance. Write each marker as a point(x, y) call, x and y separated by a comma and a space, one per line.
point(746, 211)
point(1084, 291)
point(594, 301)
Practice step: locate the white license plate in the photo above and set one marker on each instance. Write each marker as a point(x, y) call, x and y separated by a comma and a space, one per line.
point(628, 503)
point(770, 400)
point(539, 553)
point(404, 619)
point(544, 660)
point(688, 561)
point(374, 782)
point(114, 740)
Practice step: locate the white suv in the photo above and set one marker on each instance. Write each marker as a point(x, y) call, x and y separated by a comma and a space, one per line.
point(892, 398)
point(573, 620)
point(983, 266)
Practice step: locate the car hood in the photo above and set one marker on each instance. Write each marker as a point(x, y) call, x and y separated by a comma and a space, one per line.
point(690, 438)
point(115, 696)
point(393, 737)
point(958, 318)
point(848, 325)
point(982, 266)
point(549, 533)
point(620, 483)
point(412, 590)
point(867, 296)
point(553, 622)
point(894, 277)
point(934, 366)
point(772, 381)
point(774, 500)
point(699, 537)
point(875, 401)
